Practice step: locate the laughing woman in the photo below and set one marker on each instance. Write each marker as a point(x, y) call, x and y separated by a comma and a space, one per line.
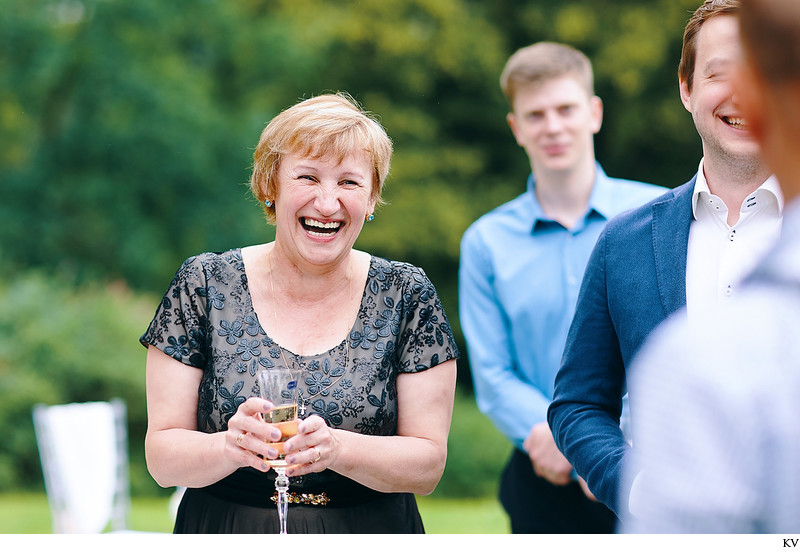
point(377, 354)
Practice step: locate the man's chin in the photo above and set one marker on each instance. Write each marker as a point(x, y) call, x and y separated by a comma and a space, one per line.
point(561, 163)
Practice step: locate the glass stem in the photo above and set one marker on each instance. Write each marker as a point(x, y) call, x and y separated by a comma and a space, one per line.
point(282, 485)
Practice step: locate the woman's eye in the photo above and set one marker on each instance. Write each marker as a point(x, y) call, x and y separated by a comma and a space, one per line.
point(350, 183)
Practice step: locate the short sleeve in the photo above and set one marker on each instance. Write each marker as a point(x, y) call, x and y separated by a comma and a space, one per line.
point(426, 339)
point(180, 327)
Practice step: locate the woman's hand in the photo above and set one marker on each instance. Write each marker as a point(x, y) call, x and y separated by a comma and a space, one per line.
point(313, 449)
point(248, 435)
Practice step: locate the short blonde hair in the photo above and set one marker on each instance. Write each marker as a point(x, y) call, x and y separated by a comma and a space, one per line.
point(330, 125)
point(541, 62)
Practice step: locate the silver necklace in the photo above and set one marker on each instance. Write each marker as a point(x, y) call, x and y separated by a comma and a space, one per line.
point(302, 401)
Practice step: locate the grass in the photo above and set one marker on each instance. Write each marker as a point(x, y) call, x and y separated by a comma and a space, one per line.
point(29, 513)
point(463, 516)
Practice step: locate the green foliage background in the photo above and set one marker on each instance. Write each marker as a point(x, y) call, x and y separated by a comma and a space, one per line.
point(126, 135)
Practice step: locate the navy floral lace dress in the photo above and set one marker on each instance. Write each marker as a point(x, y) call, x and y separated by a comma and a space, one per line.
point(206, 320)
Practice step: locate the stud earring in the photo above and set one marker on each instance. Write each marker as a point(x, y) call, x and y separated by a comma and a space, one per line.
point(268, 203)
point(370, 217)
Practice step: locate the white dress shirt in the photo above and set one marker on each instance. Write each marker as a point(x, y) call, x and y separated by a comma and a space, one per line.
point(716, 410)
point(719, 255)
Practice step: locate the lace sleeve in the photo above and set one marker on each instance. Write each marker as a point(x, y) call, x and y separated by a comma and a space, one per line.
point(426, 338)
point(180, 326)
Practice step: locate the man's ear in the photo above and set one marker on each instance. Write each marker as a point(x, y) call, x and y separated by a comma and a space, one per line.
point(512, 123)
point(686, 94)
point(596, 105)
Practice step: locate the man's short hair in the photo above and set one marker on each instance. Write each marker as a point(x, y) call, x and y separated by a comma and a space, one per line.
point(709, 9)
point(544, 61)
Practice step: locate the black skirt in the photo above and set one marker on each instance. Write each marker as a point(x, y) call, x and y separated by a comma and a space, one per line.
point(319, 503)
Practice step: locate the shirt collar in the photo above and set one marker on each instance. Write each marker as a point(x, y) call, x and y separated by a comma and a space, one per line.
point(601, 199)
point(770, 189)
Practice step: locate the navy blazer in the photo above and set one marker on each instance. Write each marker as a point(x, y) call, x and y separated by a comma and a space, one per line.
point(635, 278)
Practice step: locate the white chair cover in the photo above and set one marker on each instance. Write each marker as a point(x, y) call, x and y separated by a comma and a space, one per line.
point(83, 449)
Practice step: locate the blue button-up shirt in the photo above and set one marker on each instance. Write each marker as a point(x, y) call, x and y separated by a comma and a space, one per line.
point(519, 278)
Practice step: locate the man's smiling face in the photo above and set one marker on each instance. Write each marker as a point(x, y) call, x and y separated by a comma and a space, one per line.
point(717, 116)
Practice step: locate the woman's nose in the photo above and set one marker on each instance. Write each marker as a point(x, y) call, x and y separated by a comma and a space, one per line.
point(327, 200)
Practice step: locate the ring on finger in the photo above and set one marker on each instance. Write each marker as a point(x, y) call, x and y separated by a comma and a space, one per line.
point(240, 437)
point(315, 460)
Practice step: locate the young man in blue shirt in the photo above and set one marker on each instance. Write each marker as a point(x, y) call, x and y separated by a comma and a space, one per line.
point(521, 268)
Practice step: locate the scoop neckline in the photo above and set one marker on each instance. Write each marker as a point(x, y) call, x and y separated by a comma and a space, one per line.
point(330, 351)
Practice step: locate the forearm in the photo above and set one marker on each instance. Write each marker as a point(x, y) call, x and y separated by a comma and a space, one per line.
point(186, 458)
point(177, 453)
point(585, 420)
point(596, 448)
point(586, 429)
point(411, 461)
point(391, 464)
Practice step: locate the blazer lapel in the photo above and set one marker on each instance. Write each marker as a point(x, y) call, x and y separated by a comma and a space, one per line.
point(671, 220)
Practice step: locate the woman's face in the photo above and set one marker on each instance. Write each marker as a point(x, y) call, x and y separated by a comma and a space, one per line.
point(321, 206)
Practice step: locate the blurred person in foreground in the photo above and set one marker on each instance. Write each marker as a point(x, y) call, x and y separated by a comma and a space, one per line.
point(377, 354)
point(690, 248)
point(520, 270)
point(717, 427)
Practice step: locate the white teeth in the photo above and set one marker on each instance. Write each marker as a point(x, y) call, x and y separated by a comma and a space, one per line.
point(325, 228)
point(325, 225)
point(736, 122)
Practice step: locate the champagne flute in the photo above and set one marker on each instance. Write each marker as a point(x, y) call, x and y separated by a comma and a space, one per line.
point(278, 385)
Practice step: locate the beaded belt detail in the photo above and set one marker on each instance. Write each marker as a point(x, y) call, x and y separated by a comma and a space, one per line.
point(320, 499)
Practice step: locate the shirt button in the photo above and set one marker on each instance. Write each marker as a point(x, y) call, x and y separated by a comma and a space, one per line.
point(732, 235)
point(728, 291)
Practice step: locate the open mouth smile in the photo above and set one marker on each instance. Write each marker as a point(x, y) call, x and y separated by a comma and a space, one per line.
point(319, 228)
point(736, 122)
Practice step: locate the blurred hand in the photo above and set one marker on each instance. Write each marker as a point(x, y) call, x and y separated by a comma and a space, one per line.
point(547, 460)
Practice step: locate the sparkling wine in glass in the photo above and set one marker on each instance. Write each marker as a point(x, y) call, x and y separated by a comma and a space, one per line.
point(278, 385)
